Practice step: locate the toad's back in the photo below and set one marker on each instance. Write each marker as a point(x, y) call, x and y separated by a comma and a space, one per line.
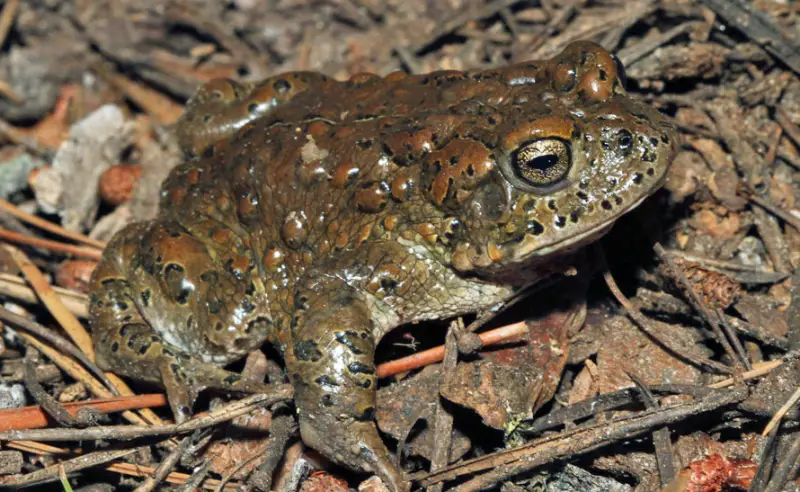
point(320, 214)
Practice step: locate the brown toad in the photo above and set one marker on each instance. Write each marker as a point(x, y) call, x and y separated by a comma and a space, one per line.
point(318, 215)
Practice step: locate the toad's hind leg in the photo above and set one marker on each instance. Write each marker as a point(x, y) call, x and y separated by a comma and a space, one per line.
point(329, 352)
point(148, 310)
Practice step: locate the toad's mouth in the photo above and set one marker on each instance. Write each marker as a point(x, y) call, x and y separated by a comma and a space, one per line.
point(531, 249)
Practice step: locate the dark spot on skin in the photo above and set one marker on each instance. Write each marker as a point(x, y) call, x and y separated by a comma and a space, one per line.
point(358, 367)
point(491, 120)
point(281, 85)
point(665, 139)
point(327, 400)
point(612, 181)
point(114, 347)
point(260, 324)
point(606, 205)
point(206, 118)
point(364, 144)
point(583, 196)
point(637, 178)
point(561, 221)
point(296, 377)
point(650, 171)
point(214, 306)
point(535, 228)
point(238, 274)
point(127, 318)
point(144, 348)
point(365, 383)
point(124, 330)
point(252, 108)
point(175, 368)
point(247, 306)
point(107, 281)
point(388, 284)
point(617, 200)
point(326, 381)
point(146, 297)
point(624, 140)
point(306, 350)
point(583, 184)
point(573, 216)
point(251, 289)
point(343, 337)
point(218, 326)
point(232, 379)
point(367, 415)
point(183, 296)
point(551, 204)
point(122, 305)
point(189, 321)
point(603, 75)
point(654, 141)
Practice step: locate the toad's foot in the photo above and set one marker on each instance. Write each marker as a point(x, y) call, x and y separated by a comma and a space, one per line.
point(329, 355)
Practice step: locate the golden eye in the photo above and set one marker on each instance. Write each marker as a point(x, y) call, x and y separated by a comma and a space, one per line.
point(543, 162)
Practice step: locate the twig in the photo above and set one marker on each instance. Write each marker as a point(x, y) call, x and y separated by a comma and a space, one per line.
point(759, 369)
point(58, 341)
point(776, 210)
point(52, 302)
point(281, 430)
point(443, 419)
point(15, 287)
point(632, 54)
point(166, 466)
point(431, 356)
point(738, 356)
point(789, 128)
point(643, 323)
point(782, 472)
point(447, 26)
point(32, 417)
point(45, 401)
point(124, 432)
point(50, 473)
point(10, 10)
point(49, 226)
point(760, 27)
point(576, 441)
point(69, 249)
point(782, 412)
point(665, 457)
point(198, 476)
point(15, 136)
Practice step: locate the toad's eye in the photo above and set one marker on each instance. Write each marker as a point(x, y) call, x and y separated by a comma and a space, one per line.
point(543, 162)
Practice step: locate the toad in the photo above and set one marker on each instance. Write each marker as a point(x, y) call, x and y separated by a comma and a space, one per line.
point(318, 215)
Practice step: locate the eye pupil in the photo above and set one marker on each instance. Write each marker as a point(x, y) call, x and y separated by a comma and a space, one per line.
point(625, 140)
point(543, 162)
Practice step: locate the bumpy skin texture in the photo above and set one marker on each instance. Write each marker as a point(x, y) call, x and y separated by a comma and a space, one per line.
point(318, 215)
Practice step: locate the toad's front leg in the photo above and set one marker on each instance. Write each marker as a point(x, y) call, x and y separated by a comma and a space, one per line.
point(329, 351)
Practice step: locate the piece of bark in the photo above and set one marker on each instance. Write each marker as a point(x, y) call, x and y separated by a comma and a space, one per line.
point(69, 187)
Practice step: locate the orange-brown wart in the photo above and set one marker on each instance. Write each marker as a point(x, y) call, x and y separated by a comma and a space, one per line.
point(318, 215)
